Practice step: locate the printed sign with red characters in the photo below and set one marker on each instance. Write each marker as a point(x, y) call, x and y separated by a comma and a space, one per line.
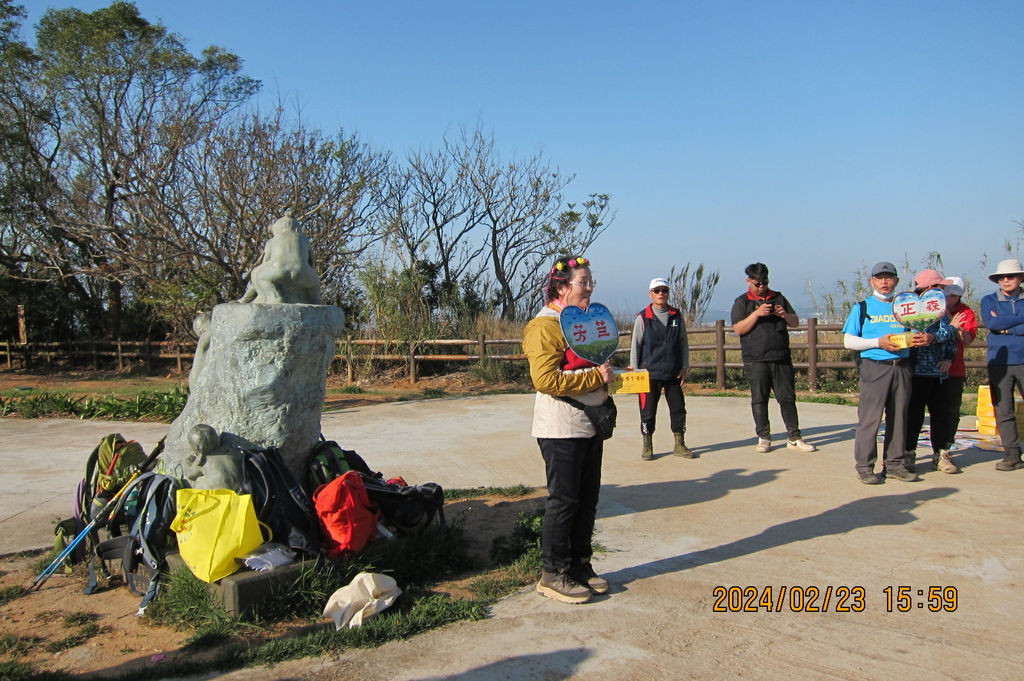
point(592, 333)
point(919, 312)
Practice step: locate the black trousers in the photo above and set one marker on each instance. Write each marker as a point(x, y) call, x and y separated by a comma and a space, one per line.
point(942, 398)
point(764, 377)
point(573, 467)
point(676, 406)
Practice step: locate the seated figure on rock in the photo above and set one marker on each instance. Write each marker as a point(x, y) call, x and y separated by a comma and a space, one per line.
point(213, 466)
point(286, 274)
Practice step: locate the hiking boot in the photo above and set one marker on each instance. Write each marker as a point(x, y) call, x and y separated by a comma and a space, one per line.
point(910, 460)
point(1010, 462)
point(800, 444)
point(764, 445)
point(648, 451)
point(944, 462)
point(560, 586)
point(681, 450)
point(585, 575)
point(871, 478)
point(904, 475)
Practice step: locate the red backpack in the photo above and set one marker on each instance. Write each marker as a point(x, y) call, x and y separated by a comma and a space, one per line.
point(348, 521)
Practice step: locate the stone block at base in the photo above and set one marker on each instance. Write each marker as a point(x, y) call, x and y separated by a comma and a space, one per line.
point(242, 591)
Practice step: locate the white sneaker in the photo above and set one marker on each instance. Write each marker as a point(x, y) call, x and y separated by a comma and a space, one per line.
point(764, 445)
point(801, 445)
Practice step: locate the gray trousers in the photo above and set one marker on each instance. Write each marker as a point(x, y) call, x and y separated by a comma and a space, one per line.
point(884, 388)
point(1003, 379)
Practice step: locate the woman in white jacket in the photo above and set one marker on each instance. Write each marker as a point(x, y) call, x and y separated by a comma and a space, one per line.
point(571, 448)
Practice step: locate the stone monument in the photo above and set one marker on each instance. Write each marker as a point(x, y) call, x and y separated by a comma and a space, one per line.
point(260, 374)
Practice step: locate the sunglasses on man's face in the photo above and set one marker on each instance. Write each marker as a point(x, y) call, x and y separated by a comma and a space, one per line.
point(660, 291)
point(758, 283)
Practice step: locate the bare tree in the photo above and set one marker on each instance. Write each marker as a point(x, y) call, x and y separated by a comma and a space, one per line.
point(693, 291)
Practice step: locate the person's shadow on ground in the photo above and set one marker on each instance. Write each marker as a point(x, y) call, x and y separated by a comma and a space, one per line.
point(818, 435)
point(867, 512)
point(672, 493)
point(553, 666)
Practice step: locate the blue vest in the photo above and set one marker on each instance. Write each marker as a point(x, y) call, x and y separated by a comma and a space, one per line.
point(660, 352)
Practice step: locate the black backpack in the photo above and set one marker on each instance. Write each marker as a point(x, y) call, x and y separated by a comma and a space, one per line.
point(328, 461)
point(408, 509)
point(148, 509)
point(281, 504)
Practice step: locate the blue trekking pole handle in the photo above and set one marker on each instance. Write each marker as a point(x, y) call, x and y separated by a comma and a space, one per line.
point(80, 537)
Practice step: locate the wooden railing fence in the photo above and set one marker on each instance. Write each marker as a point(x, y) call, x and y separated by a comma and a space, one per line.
point(806, 340)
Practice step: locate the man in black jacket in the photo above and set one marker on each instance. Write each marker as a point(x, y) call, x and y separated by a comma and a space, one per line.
point(660, 346)
point(762, 319)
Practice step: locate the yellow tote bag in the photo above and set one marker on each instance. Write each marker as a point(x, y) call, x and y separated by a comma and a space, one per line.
point(214, 526)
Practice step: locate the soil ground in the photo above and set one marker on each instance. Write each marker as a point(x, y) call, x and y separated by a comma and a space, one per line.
point(121, 638)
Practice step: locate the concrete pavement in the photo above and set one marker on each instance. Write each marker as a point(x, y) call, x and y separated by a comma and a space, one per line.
point(679, 534)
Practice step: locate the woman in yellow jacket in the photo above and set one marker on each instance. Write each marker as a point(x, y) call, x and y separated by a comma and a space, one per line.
point(571, 448)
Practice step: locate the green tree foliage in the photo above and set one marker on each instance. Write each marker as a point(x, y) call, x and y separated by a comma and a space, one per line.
point(136, 180)
point(110, 102)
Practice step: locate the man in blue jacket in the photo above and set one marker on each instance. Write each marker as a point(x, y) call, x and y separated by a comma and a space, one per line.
point(1003, 313)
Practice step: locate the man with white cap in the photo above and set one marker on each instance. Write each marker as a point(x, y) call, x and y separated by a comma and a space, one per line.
point(1003, 313)
point(660, 346)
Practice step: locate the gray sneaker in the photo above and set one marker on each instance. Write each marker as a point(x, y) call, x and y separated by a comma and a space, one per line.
point(764, 445)
point(560, 586)
point(904, 475)
point(871, 478)
point(586, 576)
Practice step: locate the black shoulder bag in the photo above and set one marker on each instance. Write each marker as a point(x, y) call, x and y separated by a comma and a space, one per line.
point(602, 416)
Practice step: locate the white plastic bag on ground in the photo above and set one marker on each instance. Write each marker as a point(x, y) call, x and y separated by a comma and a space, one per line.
point(367, 595)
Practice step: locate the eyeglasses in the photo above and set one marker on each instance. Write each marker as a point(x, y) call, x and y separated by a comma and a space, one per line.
point(1000, 277)
point(660, 291)
point(758, 283)
point(585, 284)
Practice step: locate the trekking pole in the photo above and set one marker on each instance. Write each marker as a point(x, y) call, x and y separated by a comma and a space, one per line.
point(95, 522)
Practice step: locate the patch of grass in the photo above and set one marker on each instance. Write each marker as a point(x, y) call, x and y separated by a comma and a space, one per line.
point(144, 406)
point(16, 646)
point(9, 593)
point(74, 640)
point(828, 399)
point(461, 493)
point(12, 670)
point(79, 618)
point(432, 393)
point(525, 537)
point(187, 603)
point(509, 578)
point(350, 390)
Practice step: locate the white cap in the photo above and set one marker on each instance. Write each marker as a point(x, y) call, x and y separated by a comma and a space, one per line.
point(655, 283)
point(955, 287)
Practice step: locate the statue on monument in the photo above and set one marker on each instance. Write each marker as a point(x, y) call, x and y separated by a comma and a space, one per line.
point(259, 376)
point(286, 273)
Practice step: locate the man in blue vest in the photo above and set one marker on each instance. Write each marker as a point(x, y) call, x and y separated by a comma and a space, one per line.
point(762, 318)
point(660, 346)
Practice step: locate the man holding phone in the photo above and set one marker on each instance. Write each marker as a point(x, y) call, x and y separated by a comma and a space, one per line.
point(762, 319)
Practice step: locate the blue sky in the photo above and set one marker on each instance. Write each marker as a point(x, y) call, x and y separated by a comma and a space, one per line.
point(811, 135)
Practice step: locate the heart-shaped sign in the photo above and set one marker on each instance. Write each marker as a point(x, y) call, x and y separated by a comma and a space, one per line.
point(592, 333)
point(919, 312)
